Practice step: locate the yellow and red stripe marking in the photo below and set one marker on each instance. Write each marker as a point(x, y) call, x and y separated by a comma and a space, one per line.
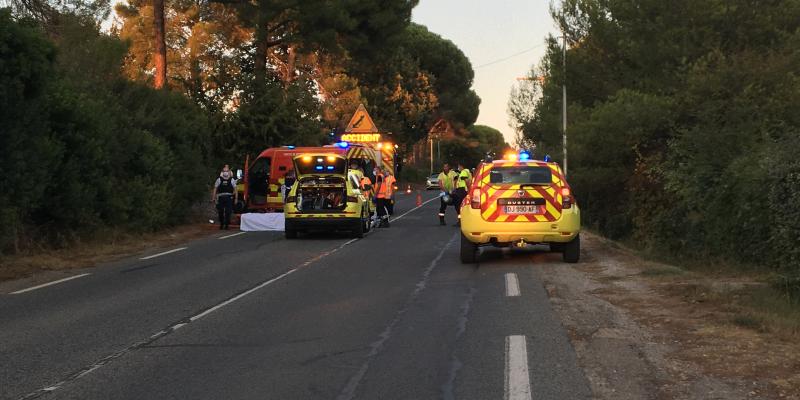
point(491, 211)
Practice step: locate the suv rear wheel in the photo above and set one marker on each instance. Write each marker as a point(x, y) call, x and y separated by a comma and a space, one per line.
point(469, 251)
point(572, 250)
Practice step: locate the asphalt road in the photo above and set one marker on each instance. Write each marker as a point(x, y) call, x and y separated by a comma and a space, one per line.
point(254, 316)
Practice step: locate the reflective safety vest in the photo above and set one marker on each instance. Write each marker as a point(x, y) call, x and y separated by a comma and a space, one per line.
point(364, 182)
point(390, 181)
point(464, 178)
point(448, 180)
point(382, 190)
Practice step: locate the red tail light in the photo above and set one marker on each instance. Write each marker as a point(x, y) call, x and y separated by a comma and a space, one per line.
point(566, 198)
point(475, 199)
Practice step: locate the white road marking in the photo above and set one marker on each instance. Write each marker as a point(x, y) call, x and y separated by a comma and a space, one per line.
point(50, 283)
point(512, 285)
point(237, 297)
point(349, 391)
point(413, 209)
point(158, 335)
point(230, 236)
point(518, 386)
point(164, 253)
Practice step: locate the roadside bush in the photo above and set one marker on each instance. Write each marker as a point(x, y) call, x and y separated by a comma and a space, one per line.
point(83, 148)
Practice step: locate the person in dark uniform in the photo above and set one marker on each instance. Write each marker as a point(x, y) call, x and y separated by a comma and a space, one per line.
point(225, 195)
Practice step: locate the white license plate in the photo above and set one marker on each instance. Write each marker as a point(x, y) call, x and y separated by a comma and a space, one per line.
point(521, 209)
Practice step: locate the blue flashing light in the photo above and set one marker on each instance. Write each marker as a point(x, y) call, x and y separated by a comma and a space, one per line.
point(547, 158)
point(343, 145)
point(318, 168)
point(524, 156)
point(330, 167)
point(290, 147)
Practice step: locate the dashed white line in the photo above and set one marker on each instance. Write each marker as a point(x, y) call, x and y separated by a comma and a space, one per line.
point(412, 210)
point(230, 236)
point(239, 296)
point(164, 253)
point(512, 285)
point(50, 283)
point(518, 386)
point(104, 361)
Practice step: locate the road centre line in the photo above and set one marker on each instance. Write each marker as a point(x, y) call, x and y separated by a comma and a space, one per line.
point(349, 391)
point(50, 283)
point(512, 285)
point(185, 321)
point(180, 324)
point(518, 386)
point(413, 209)
point(230, 236)
point(164, 253)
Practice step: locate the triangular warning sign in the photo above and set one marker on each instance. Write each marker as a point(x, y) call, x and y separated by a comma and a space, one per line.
point(361, 122)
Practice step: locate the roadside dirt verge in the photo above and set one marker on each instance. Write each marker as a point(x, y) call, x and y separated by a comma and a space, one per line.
point(644, 330)
point(47, 264)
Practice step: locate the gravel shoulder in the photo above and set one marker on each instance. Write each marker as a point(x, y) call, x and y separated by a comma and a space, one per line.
point(644, 330)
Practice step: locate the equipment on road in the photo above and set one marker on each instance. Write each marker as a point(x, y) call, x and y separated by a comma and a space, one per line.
point(518, 201)
point(325, 197)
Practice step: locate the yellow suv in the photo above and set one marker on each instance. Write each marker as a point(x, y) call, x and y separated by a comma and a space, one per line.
point(520, 202)
point(325, 197)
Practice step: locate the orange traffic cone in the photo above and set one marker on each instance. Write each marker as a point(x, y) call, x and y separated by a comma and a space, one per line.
point(419, 198)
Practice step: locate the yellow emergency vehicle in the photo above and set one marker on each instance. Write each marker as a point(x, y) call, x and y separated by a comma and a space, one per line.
point(325, 197)
point(520, 202)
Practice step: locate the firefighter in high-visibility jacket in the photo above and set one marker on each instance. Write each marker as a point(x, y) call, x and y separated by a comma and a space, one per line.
point(383, 195)
point(392, 182)
point(447, 180)
point(460, 192)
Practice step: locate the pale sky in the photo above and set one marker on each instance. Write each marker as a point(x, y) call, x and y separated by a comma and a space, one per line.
point(489, 31)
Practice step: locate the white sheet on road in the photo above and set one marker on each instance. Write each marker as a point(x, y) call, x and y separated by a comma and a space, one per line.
point(262, 222)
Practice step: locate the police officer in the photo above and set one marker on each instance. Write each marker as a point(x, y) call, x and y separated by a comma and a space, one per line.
point(225, 195)
point(462, 184)
point(447, 180)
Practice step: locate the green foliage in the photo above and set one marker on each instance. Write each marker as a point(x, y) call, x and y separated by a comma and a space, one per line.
point(421, 79)
point(85, 148)
point(277, 117)
point(683, 124)
point(474, 146)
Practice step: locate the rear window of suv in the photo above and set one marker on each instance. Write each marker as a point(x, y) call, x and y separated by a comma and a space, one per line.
point(517, 175)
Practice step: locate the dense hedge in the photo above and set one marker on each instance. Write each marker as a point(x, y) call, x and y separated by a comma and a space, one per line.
point(684, 125)
point(83, 148)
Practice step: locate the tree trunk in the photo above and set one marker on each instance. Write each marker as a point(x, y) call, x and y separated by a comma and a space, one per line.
point(160, 56)
point(262, 48)
point(290, 65)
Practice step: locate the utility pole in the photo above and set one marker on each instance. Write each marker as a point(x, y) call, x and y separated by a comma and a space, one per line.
point(431, 137)
point(564, 100)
